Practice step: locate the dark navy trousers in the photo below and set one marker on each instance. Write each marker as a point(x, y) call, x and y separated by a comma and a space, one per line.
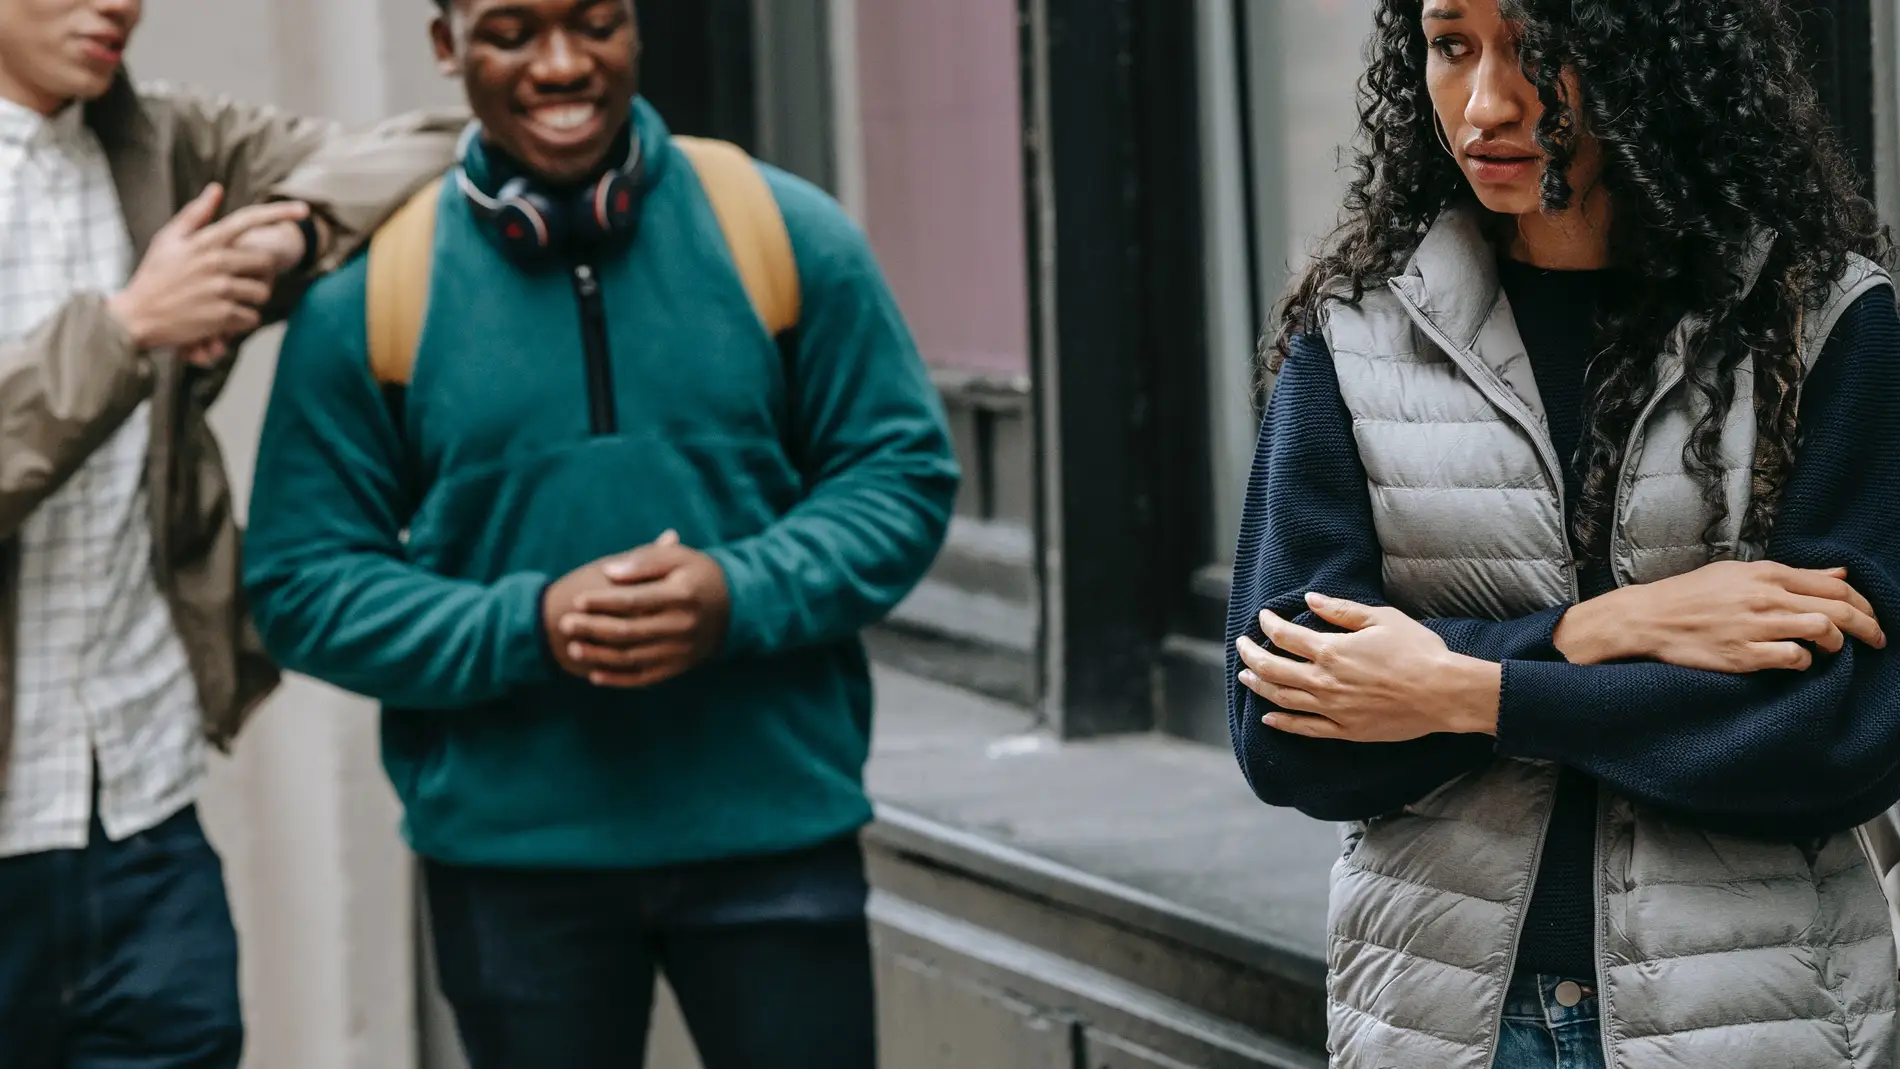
point(119, 956)
point(769, 958)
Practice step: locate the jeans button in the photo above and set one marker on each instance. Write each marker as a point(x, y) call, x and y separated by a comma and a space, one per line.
point(1569, 993)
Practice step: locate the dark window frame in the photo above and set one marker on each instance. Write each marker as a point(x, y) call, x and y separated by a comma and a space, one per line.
point(1840, 39)
point(698, 68)
point(1118, 345)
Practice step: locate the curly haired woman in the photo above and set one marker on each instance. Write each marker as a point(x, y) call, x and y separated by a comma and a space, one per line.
point(1567, 545)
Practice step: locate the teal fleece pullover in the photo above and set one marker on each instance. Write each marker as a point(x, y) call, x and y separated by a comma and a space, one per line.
point(406, 560)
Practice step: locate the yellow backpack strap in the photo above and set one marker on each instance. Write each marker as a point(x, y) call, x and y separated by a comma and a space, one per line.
point(400, 254)
point(755, 229)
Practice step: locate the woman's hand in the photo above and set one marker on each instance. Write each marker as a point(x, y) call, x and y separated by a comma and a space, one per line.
point(1387, 679)
point(1729, 616)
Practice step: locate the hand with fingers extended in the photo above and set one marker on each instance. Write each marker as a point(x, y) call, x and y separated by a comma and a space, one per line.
point(1385, 678)
point(639, 618)
point(202, 282)
point(1728, 616)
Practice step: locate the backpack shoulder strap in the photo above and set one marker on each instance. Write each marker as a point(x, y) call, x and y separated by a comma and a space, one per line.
point(755, 231)
point(400, 253)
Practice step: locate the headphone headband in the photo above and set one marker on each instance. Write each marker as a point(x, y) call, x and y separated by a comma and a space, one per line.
point(529, 221)
point(466, 140)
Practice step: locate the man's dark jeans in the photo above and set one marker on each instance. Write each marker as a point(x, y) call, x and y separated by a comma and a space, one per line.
point(770, 960)
point(119, 956)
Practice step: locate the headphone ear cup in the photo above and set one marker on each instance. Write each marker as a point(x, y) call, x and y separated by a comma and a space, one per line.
point(524, 222)
point(612, 206)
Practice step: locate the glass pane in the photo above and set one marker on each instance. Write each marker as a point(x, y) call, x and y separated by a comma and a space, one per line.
point(1290, 113)
point(1231, 321)
point(941, 140)
point(1303, 65)
point(1886, 21)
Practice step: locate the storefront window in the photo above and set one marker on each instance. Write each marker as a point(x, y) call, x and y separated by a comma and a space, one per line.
point(940, 108)
point(1279, 82)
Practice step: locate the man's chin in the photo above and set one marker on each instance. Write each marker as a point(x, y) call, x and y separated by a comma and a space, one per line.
point(91, 86)
point(565, 168)
point(561, 162)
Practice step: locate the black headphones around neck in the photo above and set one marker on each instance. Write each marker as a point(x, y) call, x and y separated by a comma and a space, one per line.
point(530, 223)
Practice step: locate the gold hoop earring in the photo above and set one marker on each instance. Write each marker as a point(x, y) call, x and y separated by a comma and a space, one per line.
point(1444, 142)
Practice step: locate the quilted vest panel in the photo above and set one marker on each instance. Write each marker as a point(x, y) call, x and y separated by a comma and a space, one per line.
point(1713, 949)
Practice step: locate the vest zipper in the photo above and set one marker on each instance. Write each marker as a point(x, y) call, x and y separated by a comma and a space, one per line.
point(601, 417)
point(1596, 936)
point(1507, 402)
point(1517, 924)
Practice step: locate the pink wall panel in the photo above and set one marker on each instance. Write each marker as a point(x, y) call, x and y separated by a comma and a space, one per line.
point(943, 183)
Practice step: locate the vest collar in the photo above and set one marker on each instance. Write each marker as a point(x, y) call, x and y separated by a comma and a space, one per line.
point(1452, 278)
point(1451, 287)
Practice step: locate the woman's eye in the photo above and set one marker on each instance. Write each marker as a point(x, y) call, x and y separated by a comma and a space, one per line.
point(1450, 47)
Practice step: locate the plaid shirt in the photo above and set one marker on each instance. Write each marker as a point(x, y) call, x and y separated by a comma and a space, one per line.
point(101, 680)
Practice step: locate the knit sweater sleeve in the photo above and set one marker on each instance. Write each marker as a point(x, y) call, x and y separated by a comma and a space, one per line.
point(1778, 754)
point(1307, 526)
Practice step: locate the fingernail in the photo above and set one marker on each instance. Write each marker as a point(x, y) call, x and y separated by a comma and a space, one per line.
point(1248, 678)
point(574, 650)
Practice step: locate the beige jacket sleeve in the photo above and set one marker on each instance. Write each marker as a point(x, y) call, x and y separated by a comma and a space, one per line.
point(67, 385)
point(353, 179)
point(64, 388)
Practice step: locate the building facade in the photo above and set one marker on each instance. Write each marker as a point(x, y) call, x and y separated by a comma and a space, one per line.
point(1087, 209)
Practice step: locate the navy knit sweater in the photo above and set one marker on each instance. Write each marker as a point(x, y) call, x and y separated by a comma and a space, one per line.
point(1776, 755)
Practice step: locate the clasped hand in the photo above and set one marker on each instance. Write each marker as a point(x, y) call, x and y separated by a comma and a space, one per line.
point(638, 618)
point(1388, 678)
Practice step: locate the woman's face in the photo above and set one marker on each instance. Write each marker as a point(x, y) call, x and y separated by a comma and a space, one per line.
point(1489, 110)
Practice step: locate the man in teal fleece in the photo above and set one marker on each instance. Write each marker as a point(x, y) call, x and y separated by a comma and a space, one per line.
point(605, 562)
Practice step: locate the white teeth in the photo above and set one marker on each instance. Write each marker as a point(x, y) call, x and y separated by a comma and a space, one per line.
point(565, 117)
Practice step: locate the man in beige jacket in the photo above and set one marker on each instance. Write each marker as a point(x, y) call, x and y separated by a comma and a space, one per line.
point(142, 234)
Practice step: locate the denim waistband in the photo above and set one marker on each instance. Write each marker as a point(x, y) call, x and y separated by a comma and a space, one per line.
point(1540, 997)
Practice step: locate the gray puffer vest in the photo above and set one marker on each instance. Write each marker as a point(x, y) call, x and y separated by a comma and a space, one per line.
point(1712, 951)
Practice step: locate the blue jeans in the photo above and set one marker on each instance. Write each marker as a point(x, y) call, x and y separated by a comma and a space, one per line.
point(119, 956)
point(770, 960)
point(1540, 1032)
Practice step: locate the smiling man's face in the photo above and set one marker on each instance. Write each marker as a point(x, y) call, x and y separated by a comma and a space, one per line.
point(551, 81)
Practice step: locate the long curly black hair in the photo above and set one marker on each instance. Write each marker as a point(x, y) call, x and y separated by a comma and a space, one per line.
point(1710, 132)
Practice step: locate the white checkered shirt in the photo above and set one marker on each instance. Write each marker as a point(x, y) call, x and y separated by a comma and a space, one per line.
point(100, 671)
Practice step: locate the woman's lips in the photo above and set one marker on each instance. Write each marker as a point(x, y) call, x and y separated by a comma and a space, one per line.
point(1502, 169)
